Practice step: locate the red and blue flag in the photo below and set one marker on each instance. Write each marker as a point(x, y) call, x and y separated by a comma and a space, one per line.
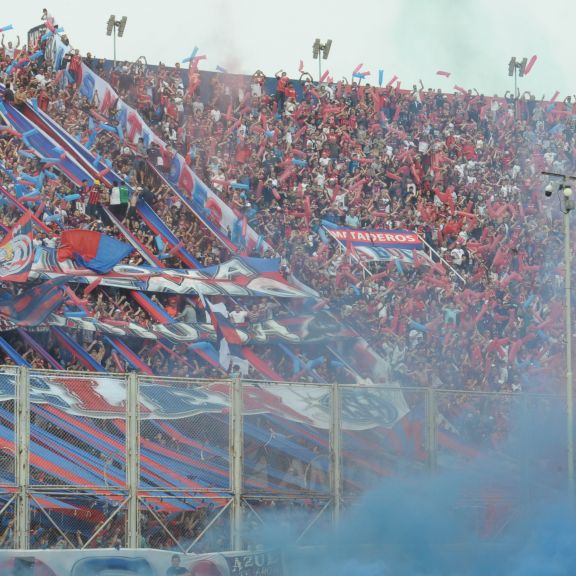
point(33, 306)
point(92, 250)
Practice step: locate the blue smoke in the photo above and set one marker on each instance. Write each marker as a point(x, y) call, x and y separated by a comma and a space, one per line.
point(506, 513)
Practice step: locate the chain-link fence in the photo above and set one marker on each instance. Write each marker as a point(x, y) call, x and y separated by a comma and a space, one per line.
point(188, 523)
point(7, 517)
point(8, 417)
point(184, 434)
point(77, 430)
point(291, 520)
point(64, 520)
point(8, 455)
point(197, 466)
point(286, 430)
point(384, 432)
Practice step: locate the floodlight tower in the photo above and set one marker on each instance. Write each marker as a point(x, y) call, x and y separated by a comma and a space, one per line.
point(516, 68)
point(111, 26)
point(318, 47)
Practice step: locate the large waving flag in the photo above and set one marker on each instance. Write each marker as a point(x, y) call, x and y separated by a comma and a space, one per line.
point(17, 251)
point(92, 249)
point(33, 306)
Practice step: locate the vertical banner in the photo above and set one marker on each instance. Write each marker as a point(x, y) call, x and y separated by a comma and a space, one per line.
point(207, 205)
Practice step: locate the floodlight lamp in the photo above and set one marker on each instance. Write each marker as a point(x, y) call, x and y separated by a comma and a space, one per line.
point(567, 191)
point(122, 26)
point(316, 48)
point(511, 66)
point(326, 49)
point(110, 25)
point(522, 67)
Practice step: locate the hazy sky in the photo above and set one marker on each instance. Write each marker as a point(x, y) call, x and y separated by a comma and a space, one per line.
point(472, 39)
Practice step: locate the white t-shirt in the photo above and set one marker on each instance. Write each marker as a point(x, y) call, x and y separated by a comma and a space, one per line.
point(457, 256)
point(114, 196)
point(238, 316)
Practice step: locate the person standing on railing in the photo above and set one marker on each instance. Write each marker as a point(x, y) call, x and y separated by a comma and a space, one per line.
point(114, 202)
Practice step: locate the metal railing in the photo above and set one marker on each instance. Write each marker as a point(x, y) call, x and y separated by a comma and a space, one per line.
point(92, 460)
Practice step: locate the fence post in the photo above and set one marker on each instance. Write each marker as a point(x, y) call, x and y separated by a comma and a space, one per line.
point(22, 460)
point(432, 432)
point(236, 464)
point(336, 454)
point(132, 459)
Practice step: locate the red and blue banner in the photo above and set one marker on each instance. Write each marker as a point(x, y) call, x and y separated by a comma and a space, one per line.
point(17, 252)
point(235, 277)
point(34, 305)
point(376, 244)
point(198, 197)
point(92, 250)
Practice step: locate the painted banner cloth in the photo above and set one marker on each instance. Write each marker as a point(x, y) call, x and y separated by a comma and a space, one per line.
point(131, 127)
point(307, 329)
point(92, 250)
point(17, 251)
point(33, 306)
point(364, 407)
point(378, 244)
point(143, 562)
point(241, 276)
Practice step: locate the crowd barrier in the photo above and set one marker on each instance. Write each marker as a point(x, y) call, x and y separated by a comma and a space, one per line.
point(92, 461)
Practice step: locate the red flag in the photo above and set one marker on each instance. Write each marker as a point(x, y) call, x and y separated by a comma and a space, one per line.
point(392, 80)
point(531, 63)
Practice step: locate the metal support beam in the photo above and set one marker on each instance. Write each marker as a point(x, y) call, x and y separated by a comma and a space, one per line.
point(132, 459)
point(336, 454)
point(568, 320)
point(432, 435)
point(114, 44)
point(236, 464)
point(22, 519)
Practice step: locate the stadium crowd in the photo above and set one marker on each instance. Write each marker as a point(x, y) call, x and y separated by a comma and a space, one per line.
point(478, 311)
point(461, 169)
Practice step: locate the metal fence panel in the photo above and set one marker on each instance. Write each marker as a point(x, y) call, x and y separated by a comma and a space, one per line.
point(286, 438)
point(291, 520)
point(7, 514)
point(505, 452)
point(67, 520)
point(308, 451)
point(77, 430)
point(8, 417)
point(375, 442)
point(184, 434)
point(188, 523)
